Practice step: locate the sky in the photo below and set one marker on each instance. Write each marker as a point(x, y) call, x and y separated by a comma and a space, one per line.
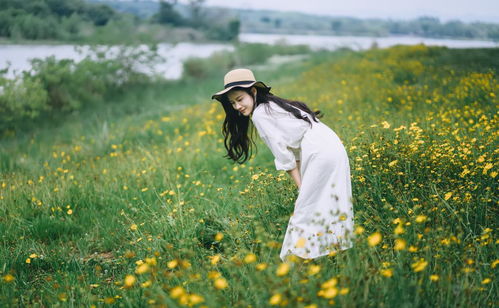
point(445, 10)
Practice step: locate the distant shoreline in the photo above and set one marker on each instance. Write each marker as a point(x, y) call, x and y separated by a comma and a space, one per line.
point(6, 41)
point(328, 34)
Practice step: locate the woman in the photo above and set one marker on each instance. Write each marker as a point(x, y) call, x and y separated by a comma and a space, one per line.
point(311, 153)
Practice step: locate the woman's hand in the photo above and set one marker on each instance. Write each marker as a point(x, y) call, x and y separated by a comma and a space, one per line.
point(295, 174)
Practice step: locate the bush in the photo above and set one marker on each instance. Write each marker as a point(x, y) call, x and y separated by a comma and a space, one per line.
point(64, 85)
point(257, 53)
point(216, 64)
point(224, 32)
point(245, 54)
point(21, 100)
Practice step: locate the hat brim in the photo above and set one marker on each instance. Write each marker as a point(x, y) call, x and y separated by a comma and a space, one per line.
point(259, 84)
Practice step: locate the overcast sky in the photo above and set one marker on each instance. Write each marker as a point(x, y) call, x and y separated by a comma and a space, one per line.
point(464, 10)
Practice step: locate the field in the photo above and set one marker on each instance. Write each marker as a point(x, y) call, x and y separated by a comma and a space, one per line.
point(132, 204)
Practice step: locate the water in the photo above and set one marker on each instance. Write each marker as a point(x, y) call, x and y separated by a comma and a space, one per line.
point(172, 56)
point(359, 42)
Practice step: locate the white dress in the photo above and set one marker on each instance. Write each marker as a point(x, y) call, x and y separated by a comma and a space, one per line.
point(322, 220)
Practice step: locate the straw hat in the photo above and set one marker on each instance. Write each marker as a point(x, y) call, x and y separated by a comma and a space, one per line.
point(241, 77)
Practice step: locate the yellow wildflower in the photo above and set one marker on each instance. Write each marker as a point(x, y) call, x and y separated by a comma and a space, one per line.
point(374, 239)
point(399, 244)
point(434, 277)
point(261, 266)
point(313, 269)
point(219, 236)
point(213, 274)
point(275, 299)
point(392, 163)
point(146, 284)
point(330, 283)
point(399, 229)
point(386, 272)
point(220, 283)
point(64, 297)
point(468, 269)
point(359, 230)
point(486, 281)
point(143, 268)
point(172, 263)
point(8, 278)
point(487, 167)
point(328, 293)
point(448, 195)
point(419, 265)
point(283, 269)
point(250, 258)
point(129, 281)
point(177, 292)
point(195, 299)
point(151, 261)
point(421, 218)
point(214, 259)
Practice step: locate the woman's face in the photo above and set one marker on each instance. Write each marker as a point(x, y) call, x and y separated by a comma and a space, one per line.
point(242, 101)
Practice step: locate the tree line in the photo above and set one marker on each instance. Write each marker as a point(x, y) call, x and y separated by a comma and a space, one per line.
point(217, 25)
point(74, 20)
point(425, 26)
point(50, 19)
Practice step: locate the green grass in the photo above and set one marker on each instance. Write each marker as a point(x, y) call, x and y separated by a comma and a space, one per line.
point(142, 179)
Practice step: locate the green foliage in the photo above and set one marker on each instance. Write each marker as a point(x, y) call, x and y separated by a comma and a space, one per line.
point(168, 15)
point(297, 23)
point(224, 32)
point(21, 100)
point(100, 14)
point(50, 19)
point(98, 22)
point(245, 54)
point(62, 86)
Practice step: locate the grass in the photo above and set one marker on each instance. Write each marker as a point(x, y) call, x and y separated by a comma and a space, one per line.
point(132, 203)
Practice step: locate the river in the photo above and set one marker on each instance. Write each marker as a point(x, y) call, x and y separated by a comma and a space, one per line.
point(17, 57)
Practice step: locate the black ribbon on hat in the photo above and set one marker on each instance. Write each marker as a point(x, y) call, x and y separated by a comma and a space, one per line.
point(236, 83)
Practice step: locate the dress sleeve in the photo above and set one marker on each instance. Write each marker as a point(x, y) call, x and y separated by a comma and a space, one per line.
point(284, 157)
point(277, 141)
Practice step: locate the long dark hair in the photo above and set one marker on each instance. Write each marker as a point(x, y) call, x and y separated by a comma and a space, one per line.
point(237, 141)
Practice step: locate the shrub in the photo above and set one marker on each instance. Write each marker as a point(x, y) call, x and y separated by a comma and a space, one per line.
point(21, 100)
point(244, 54)
point(65, 85)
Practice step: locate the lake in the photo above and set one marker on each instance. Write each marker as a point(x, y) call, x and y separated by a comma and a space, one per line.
point(17, 57)
point(360, 42)
point(169, 66)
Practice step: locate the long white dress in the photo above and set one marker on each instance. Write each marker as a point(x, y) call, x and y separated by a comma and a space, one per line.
point(322, 220)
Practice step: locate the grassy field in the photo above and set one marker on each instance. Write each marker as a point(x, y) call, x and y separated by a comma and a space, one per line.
point(132, 204)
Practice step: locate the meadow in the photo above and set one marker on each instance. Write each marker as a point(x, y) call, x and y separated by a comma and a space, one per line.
point(132, 204)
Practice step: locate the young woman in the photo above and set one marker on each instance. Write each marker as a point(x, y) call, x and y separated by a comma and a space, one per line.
point(311, 153)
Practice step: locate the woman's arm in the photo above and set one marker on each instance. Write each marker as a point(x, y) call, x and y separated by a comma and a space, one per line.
point(295, 174)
